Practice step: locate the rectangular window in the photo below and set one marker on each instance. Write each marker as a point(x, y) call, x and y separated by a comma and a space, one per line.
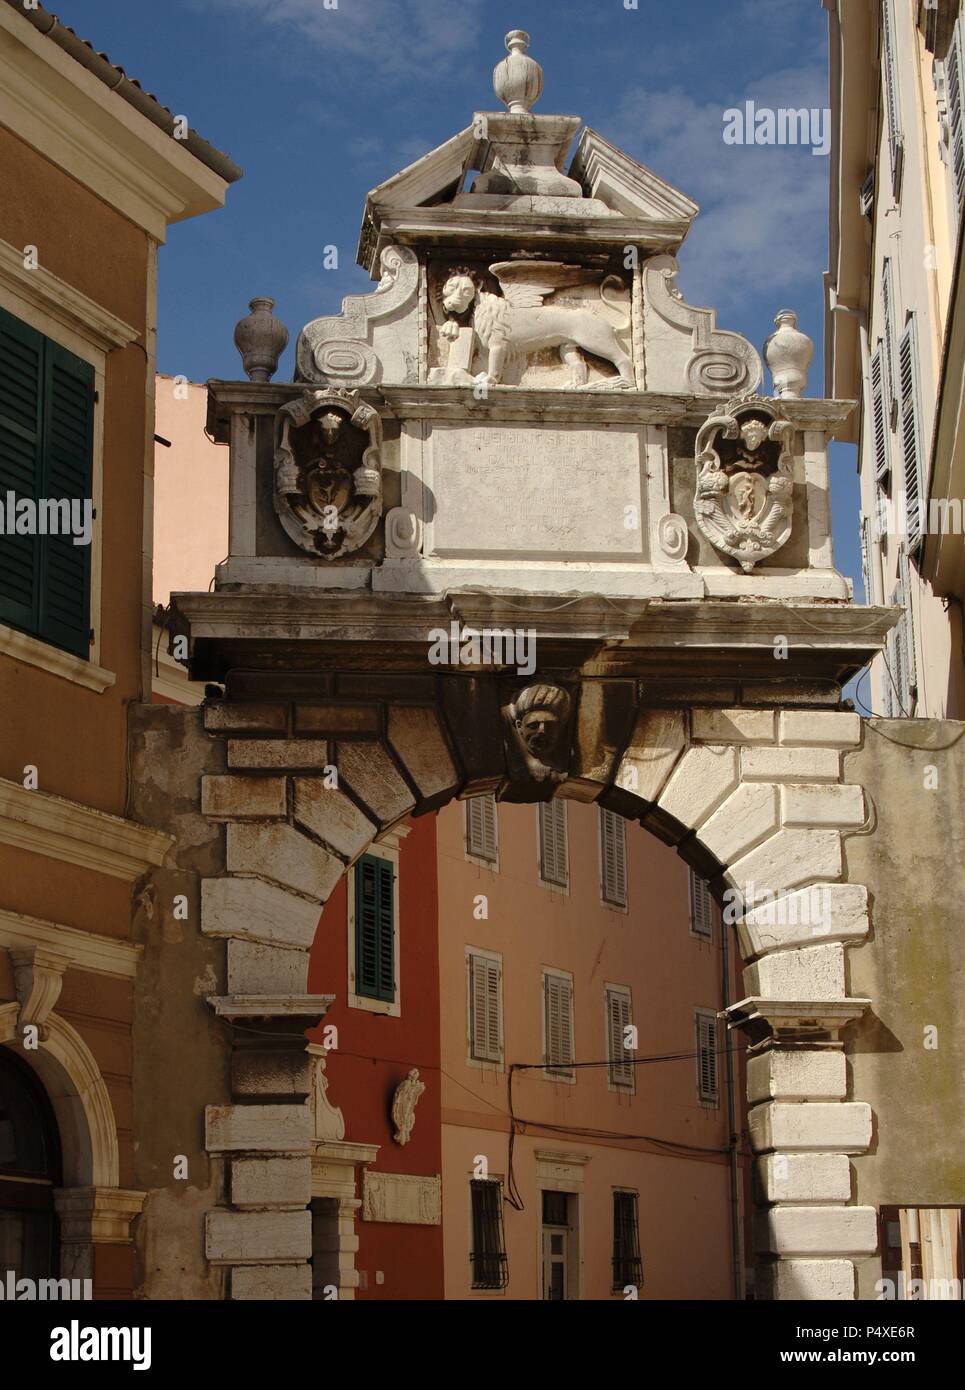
point(485, 1007)
point(488, 1255)
point(627, 1264)
point(613, 859)
point(954, 75)
point(705, 1021)
point(374, 928)
point(912, 442)
point(900, 677)
point(701, 914)
point(553, 854)
point(889, 73)
point(618, 1023)
point(46, 453)
point(481, 837)
point(558, 1023)
point(889, 309)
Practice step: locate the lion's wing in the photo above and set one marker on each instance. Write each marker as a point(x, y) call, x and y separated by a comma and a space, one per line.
point(527, 283)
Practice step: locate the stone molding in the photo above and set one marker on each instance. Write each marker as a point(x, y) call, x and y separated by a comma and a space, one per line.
point(89, 951)
point(62, 829)
point(32, 652)
point(71, 308)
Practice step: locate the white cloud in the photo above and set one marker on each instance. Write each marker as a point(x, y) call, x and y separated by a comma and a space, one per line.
point(763, 220)
point(392, 39)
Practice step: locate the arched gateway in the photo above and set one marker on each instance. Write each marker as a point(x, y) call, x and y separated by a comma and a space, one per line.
point(524, 524)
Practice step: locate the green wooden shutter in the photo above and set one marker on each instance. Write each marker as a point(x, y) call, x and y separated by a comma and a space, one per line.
point(68, 456)
point(21, 465)
point(374, 929)
point(46, 453)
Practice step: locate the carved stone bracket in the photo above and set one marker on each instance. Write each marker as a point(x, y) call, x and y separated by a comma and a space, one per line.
point(721, 361)
point(38, 976)
point(328, 1122)
point(338, 348)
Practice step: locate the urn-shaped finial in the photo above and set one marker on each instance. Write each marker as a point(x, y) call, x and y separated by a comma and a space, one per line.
point(261, 339)
point(788, 354)
point(518, 79)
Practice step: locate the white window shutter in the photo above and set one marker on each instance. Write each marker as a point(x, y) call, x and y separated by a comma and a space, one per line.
point(889, 309)
point(889, 74)
point(481, 828)
point(954, 74)
point(865, 560)
point(911, 434)
point(613, 856)
point(707, 1057)
point(701, 918)
point(879, 421)
point(486, 1011)
point(618, 1019)
point(553, 850)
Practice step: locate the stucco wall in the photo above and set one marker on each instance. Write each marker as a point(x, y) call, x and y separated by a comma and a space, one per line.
point(912, 967)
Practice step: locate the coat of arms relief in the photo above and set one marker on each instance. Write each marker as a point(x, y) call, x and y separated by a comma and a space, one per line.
point(494, 326)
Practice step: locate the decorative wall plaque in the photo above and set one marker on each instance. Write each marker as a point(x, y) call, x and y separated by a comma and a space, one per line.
point(745, 479)
point(328, 471)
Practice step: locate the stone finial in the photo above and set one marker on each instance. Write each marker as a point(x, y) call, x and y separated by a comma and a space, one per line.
point(261, 339)
point(518, 79)
point(788, 354)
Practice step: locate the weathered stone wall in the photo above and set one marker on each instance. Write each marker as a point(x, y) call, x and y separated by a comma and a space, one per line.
point(181, 1050)
point(908, 1053)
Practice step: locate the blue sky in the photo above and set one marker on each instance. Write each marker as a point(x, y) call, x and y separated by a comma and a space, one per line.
point(320, 100)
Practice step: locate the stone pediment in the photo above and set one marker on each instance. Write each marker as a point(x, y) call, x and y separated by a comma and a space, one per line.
point(609, 175)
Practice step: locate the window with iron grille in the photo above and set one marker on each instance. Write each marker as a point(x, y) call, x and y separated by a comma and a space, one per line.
point(485, 1007)
point(613, 859)
point(553, 856)
point(627, 1264)
point(558, 1024)
point(487, 1258)
point(618, 1020)
point(46, 454)
point(374, 928)
point(705, 1021)
point(481, 832)
point(701, 914)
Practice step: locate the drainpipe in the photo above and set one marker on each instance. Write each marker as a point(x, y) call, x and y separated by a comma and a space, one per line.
point(737, 1234)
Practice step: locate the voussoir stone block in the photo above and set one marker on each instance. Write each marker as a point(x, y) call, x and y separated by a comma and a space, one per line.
point(374, 778)
point(272, 1283)
point(418, 741)
point(283, 855)
point(810, 1280)
point(817, 1075)
point(256, 911)
point(272, 1182)
point(256, 968)
point(790, 764)
point(337, 719)
point(832, 728)
point(237, 797)
point(733, 725)
point(820, 912)
point(292, 754)
point(809, 1177)
point(816, 804)
point(257, 1237)
point(817, 1230)
point(257, 1128)
point(658, 739)
point(245, 717)
point(749, 815)
point(789, 859)
point(331, 815)
point(811, 972)
point(838, 1128)
point(703, 778)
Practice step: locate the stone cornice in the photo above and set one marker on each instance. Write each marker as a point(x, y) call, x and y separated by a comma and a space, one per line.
point(46, 291)
point(101, 955)
point(76, 834)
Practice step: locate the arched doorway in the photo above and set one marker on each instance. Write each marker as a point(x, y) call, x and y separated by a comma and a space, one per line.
point(30, 1171)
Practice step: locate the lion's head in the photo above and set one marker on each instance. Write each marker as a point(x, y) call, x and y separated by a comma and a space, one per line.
point(458, 292)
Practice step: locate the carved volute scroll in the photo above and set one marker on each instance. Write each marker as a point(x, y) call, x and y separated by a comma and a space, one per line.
point(338, 348)
point(328, 471)
point(745, 479)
